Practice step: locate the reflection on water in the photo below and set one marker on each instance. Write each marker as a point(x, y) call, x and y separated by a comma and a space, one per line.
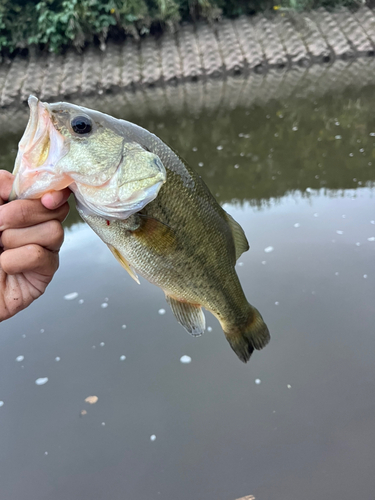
point(178, 417)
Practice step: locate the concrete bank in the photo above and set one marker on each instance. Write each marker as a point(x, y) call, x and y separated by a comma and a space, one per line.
point(196, 52)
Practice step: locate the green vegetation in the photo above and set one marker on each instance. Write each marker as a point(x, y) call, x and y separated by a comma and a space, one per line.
point(55, 24)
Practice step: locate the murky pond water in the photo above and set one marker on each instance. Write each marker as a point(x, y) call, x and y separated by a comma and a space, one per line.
point(298, 420)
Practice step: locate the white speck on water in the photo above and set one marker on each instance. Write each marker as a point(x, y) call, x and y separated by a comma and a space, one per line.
point(209, 328)
point(351, 154)
point(316, 214)
point(294, 129)
point(236, 166)
point(297, 224)
point(161, 311)
point(71, 296)
point(372, 134)
point(1, 403)
point(46, 452)
point(122, 358)
point(185, 359)
point(339, 232)
point(42, 330)
point(57, 358)
point(200, 164)
point(354, 179)
point(289, 386)
point(276, 135)
point(264, 262)
point(268, 249)
point(153, 437)
point(81, 301)
point(343, 216)
point(358, 244)
point(338, 137)
point(23, 336)
point(104, 305)
point(277, 303)
point(336, 273)
point(94, 347)
point(308, 190)
point(195, 149)
point(257, 381)
point(337, 124)
point(103, 424)
point(240, 264)
point(102, 344)
point(41, 381)
point(219, 148)
point(123, 327)
point(372, 221)
point(371, 239)
point(365, 276)
point(20, 358)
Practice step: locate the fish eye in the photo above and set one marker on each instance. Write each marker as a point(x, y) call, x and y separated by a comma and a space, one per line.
point(81, 125)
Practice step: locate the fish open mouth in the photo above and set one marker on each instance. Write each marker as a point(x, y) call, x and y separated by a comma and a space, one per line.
point(39, 150)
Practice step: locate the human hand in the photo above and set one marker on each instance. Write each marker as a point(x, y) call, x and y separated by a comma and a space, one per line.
point(31, 235)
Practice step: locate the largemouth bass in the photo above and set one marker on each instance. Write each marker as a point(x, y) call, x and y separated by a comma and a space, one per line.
point(152, 210)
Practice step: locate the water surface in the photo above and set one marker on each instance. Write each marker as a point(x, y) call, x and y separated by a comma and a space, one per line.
point(298, 420)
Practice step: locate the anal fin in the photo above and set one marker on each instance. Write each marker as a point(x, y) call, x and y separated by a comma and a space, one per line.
point(124, 263)
point(190, 316)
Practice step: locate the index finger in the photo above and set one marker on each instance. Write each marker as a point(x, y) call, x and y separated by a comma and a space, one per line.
point(6, 183)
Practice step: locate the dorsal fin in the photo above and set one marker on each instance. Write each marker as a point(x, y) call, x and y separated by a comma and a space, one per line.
point(240, 242)
point(124, 263)
point(190, 316)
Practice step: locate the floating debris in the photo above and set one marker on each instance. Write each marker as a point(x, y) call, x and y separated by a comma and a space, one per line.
point(185, 359)
point(219, 148)
point(308, 190)
point(81, 301)
point(236, 166)
point(57, 358)
point(161, 311)
point(102, 344)
point(372, 221)
point(209, 328)
point(123, 327)
point(103, 424)
point(91, 399)
point(289, 386)
point(153, 437)
point(1, 403)
point(316, 214)
point(20, 358)
point(41, 381)
point(71, 296)
point(268, 249)
point(371, 239)
point(336, 273)
point(257, 381)
point(42, 330)
point(264, 262)
point(339, 231)
point(122, 358)
point(365, 276)
point(83, 412)
point(46, 452)
point(240, 264)
point(200, 164)
point(297, 224)
point(338, 137)
point(276, 303)
point(358, 244)
point(104, 305)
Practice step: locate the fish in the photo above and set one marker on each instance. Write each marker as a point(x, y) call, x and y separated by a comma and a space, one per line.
point(156, 215)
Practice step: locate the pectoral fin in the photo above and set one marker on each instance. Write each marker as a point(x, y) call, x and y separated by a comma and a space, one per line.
point(240, 242)
point(124, 263)
point(190, 316)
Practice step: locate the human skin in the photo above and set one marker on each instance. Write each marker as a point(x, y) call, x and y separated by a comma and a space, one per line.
point(31, 235)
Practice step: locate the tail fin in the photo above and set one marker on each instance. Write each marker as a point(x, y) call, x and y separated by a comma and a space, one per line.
point(253, 335)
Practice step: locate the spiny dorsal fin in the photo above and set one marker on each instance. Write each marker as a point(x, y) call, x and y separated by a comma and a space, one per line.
point(190, 316)
point(240, 242)
point(124, 263)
